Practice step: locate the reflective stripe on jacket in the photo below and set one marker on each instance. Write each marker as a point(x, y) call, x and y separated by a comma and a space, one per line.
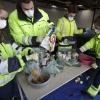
point(8, 50)
point(66, 28)
point(93, 91)
point(10, 63)
point(5, 79)
point(9, 67)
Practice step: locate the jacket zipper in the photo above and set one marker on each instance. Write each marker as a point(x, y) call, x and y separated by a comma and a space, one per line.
point(70, 29)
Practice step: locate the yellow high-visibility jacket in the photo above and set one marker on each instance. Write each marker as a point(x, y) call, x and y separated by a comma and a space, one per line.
point(66, 28)
point(12, 61)
point(94, 43)
point(23, 28)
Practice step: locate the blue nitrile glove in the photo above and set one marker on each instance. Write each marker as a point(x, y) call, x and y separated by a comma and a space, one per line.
point(52, 30)
point(87, 30)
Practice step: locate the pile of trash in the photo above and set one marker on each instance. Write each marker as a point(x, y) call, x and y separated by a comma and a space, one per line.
point(51, 63)
point(67, 58)
point(45, 61)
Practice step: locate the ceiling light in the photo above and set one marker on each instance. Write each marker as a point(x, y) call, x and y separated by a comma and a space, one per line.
point(80, 5)
point(53, 6)
point(65, 8)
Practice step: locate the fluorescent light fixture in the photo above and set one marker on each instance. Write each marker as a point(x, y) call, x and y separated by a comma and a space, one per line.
point(80, 5)
point(53, 6)
point(65, 8)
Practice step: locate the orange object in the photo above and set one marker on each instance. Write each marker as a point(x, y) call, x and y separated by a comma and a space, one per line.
point(35, 73)
point(85, 59)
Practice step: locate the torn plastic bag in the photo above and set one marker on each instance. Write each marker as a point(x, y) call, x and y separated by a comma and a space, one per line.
point(66, 50)
point(40, 51)
point(71, 63)
point(30, 65)
point(66, 57)
point(53, 67)
point(60, 62)
point(76, 63)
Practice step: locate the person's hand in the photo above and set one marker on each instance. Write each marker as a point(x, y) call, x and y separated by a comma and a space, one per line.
point(32, 57)
point(39, 39)
point(94, 65)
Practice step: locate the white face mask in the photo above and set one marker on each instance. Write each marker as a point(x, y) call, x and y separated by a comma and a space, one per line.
point(3, 23)
point(29, 13)
point(71, 18)
point(97, 31)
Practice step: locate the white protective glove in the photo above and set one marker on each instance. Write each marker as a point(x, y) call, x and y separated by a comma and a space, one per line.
point(32, 57)
point(94, 65)
point(39, 39)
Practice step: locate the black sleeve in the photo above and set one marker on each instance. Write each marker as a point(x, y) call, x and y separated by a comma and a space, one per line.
point(98, 62)
point(34, 43)
point(78, 51)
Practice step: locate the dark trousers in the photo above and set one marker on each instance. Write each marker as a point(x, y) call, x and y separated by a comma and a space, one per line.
point(6, 91)
point(96, 81)
point(96, 78)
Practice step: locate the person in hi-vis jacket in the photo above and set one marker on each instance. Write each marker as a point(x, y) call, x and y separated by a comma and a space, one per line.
point(93, 43)
point(66, 26)
point(28, 24)
point(12, 59)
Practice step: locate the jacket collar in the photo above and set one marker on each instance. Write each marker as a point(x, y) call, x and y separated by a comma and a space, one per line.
point(22, 16)
point(66, 17)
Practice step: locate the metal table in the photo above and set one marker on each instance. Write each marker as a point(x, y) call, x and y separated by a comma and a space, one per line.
point(35, 94)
